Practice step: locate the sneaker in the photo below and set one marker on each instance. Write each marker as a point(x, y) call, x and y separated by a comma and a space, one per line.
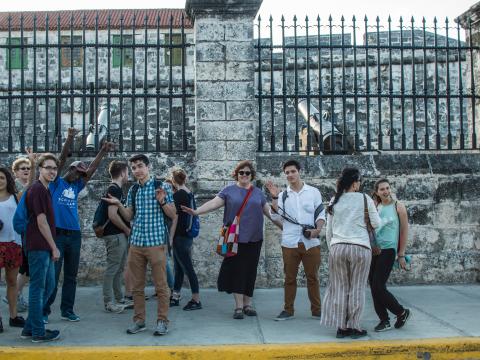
point(136, 328)
point(402, 319)
point(342, 333)
point(50, 335)
point(356, 334)
point(17, 321)
point(317, 316)
point(174, 301)
point(114, 308)
point(126, 303)
point(161, 328)
point(192, 305)
point(383, 325)
point(71, 317)
point(284, 316)
point(26, 334)
point(22, 304)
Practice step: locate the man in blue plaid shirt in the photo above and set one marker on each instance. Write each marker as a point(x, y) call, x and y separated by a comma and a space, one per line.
point(148, 241)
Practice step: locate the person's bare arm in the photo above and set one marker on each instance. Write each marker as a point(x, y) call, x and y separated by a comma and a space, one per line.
point(106, 147)
point(71, 132)
point(47, 234)
point(215, 203)
point(117, 220)
point(403, 217)
point(126, 213)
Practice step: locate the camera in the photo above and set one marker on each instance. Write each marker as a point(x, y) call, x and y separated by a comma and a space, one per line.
point(306, 230)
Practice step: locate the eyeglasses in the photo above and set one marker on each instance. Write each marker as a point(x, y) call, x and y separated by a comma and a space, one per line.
point(246, 173)
point(50, 168)
point(24, 168)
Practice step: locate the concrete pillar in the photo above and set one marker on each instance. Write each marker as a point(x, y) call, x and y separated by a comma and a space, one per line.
point(225, 106)
point(470, 21)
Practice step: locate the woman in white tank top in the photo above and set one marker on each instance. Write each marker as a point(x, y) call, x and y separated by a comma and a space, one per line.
point(10, 245)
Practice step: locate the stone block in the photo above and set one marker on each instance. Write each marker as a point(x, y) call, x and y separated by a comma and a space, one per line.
point(212, 150)
point(238, 71)
point(387, 165)
point(225, 130)
point(210, 51)
point(448, 189)
point(210, 71)
point(239, 30)
point(208, 90)
point(209, 30)
point(239, 51)
point(420, 214)
point(240, 150)
point(239, 90)
point(209, 110)
point(242, 110)
point(216, 170)
point(414, 188)
point(452, 163)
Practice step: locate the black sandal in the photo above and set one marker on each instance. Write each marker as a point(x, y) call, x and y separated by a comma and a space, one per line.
point(238, 314)
point(249, 310)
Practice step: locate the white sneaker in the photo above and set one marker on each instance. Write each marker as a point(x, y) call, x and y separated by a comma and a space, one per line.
point(114, 308)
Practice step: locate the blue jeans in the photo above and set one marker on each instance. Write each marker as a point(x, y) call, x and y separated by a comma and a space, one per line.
point(68, 243)
point(182, 256)
point(42, 282)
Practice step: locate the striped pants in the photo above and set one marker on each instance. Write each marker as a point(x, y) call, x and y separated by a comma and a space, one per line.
point(348, 267)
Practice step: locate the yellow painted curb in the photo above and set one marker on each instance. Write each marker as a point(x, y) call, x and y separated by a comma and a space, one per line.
point(431, 349)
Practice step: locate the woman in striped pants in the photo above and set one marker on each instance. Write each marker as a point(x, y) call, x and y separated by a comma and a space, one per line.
point(350, 256)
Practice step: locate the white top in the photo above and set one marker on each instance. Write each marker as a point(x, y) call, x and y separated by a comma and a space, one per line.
point(300, 206)
point(347, 224)
point(7, 210)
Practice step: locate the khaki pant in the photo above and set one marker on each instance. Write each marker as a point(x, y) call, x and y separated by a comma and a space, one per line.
point(292, 257)
point(116, 246)
point(138, 257)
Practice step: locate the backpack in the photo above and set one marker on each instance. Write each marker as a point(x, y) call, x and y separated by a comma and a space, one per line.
point(21, 218)
point(100, 218)
point(193, 223)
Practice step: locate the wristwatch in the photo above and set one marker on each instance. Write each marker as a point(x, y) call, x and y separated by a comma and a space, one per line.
point(164, 203)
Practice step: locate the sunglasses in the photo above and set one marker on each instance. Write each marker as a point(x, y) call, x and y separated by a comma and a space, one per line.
point(246, 173)
point(24, 168)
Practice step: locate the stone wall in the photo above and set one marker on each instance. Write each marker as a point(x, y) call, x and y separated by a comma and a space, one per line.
point(439, 190)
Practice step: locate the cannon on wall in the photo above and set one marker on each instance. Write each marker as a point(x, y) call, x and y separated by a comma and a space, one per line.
point(324, 138)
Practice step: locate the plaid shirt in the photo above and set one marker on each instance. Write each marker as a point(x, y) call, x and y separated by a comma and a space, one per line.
point(148, 225)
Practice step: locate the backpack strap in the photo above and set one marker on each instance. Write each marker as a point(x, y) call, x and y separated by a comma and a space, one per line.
point(284, 198)
point(134, 196)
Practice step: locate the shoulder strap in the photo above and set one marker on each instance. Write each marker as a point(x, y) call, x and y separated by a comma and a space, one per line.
point(134, 196)
point(365, 211)
point(284, 198)
point(249, 192)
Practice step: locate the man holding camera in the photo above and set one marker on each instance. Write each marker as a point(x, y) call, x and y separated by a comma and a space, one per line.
point(300, 210)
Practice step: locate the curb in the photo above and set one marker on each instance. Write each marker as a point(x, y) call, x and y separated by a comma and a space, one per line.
point(447, 348)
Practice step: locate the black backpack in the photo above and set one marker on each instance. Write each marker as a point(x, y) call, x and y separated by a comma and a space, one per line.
point(100, 218)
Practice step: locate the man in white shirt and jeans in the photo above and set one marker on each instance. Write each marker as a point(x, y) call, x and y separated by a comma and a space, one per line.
point(300, 210)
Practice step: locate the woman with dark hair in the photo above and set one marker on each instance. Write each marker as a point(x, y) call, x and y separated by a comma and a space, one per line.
point(10, 244)
point(182, 243)
point(390, 239)
point(350, 255)
point(238, 273)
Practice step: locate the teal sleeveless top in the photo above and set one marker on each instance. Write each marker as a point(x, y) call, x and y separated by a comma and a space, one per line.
point(387, 235)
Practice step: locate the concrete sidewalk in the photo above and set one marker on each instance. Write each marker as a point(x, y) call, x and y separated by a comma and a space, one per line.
point(437, 312)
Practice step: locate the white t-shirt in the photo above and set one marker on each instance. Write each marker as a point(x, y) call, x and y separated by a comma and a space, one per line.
point(7, 210)
point(301, 206)
point(347, 224)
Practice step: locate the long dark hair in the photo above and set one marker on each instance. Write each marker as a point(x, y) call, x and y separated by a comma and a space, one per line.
point(375, 197)
point(344, 182)
point(11, 188)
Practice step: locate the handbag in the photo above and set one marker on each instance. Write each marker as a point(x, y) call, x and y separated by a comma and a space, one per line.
point(227, 245)
point(370, 229)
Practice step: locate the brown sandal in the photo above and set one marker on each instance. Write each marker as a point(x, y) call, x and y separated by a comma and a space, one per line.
point(238, 313)
point(249, 310)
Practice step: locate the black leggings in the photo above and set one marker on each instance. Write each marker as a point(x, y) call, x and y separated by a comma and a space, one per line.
point(383, 299)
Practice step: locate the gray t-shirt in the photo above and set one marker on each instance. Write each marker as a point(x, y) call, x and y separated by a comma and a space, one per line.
point(251, 220)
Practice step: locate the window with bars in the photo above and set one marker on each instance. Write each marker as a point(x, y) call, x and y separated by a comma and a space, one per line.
point(127, 59)
point(71, 57)
point(176, 52)
point(14, 59)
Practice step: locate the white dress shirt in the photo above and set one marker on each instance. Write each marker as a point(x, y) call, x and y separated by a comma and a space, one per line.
point(300, 206)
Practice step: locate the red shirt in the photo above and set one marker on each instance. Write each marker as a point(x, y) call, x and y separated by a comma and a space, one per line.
point(39, 201)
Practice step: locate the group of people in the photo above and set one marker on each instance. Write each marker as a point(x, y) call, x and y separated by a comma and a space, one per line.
point(156, 216)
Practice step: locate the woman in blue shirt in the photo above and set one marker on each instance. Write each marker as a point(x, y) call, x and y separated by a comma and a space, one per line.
point(390, 238)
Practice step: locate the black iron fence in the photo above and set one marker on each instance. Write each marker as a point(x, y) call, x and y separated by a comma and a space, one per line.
point(113, 75)
point(345, 87)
